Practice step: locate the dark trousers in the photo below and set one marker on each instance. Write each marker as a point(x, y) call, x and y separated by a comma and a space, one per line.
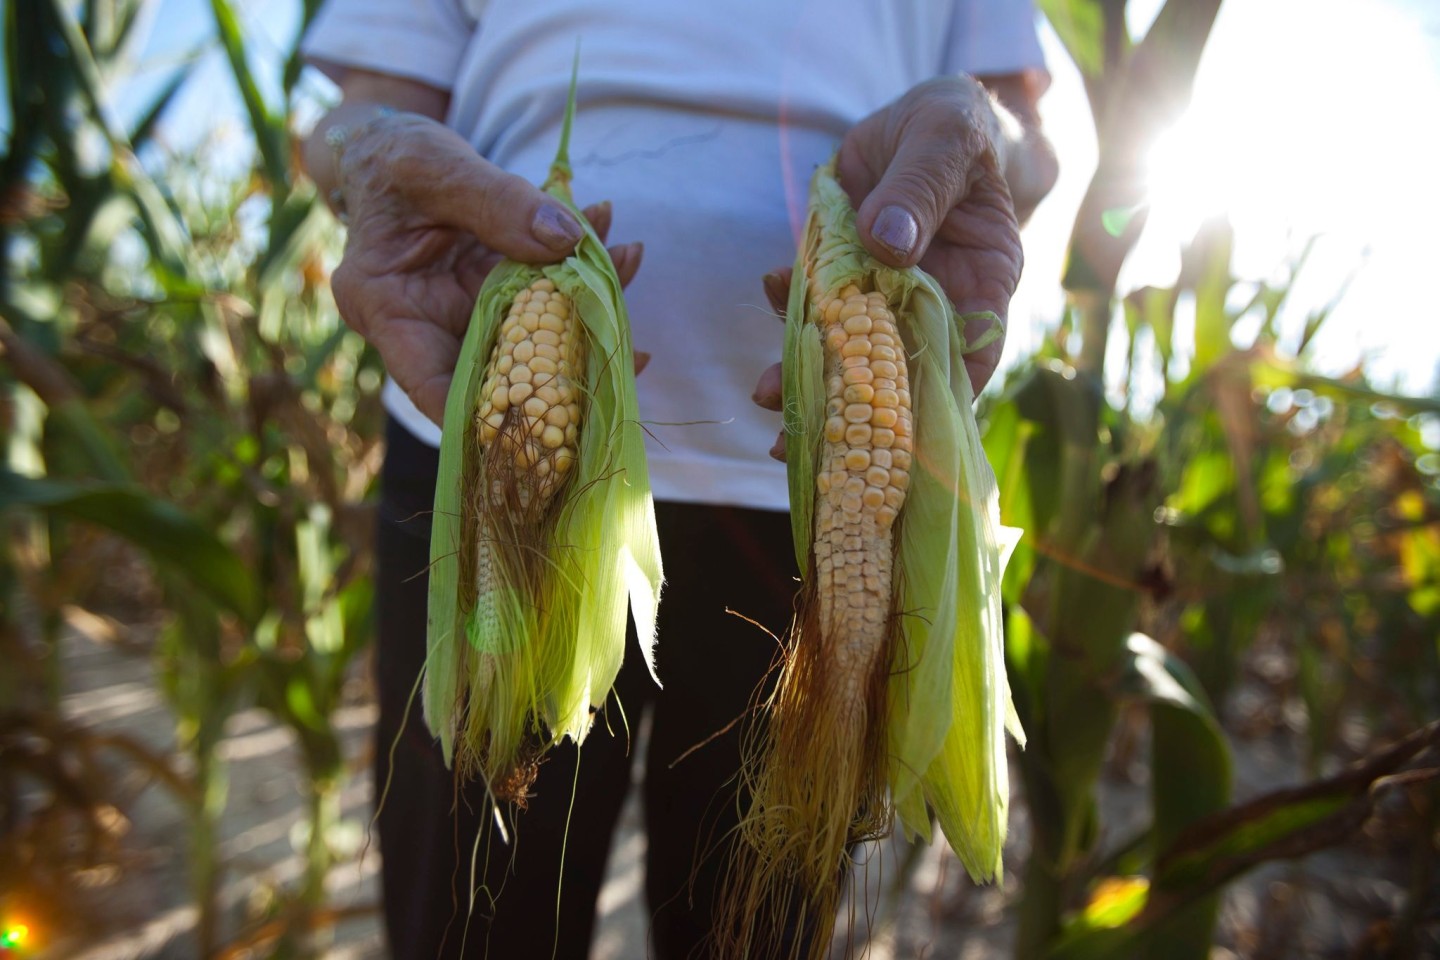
point(716, 559)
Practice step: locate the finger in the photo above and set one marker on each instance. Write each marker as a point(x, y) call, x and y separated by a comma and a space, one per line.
point(472, 266)
point(429, 397)
point(431, 176)
point(898, 218)
point(769, 389)
point(777, 289)
point(627, 257)
point(506, 212)
point(421, 358)
point(910, 173)
point(777, 452)
point(600, 216)
point(642, 360)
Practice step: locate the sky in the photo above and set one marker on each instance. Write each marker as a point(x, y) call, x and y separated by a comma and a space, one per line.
point(1311, 119)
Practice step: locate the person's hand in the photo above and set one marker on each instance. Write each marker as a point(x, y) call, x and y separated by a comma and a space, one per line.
point(428, 219)
point(926, 175)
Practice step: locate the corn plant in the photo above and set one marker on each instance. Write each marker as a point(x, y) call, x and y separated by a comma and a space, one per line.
point(181, 380)
point(1154, 525)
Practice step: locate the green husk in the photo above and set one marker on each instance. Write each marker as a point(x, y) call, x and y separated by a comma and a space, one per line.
point(520, 658)
point(948, 701)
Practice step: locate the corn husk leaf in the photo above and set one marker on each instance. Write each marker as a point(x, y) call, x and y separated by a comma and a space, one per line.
point(803, 372)
point(517, 663)
point(952, 512)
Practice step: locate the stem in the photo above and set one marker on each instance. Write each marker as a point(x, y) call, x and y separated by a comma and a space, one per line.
point(1095, 310)
point(203, 862)
point(1038, 921)
point(323, 812)
point(1039, 911)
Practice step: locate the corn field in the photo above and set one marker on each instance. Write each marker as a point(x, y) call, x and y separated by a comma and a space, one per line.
point(1222, 623)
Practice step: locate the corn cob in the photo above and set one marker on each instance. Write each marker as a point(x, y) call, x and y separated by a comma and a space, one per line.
point(892, 693)
point(532, 370)
point(543, 533)
point(867, 456)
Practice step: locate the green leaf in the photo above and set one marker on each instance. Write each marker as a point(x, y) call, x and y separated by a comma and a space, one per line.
point(1080, 25)
point(269, 131)
point(163, 228)
point(1289, 823)
point(1205, 269)
point(164, 232)
point(1059, 456)
point(1155, 308)
point(295, 228)
point(1155, 675)
point(1191, 780)
point(1095, 943)
point(1006, 440)
point(1271, 373)
point(1206, 479)
point(71, 429)
point(301, 707)
point(144, 128)
point(170, 536)
point(804, 373)
point(1191, 775)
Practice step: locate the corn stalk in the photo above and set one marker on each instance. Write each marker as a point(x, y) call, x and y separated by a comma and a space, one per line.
point(221, 352)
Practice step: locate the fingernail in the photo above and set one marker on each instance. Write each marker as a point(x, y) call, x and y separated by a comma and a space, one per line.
point(896, 229)
point(556, 228)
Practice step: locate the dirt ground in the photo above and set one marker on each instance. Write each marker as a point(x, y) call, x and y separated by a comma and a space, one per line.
point(1316, 908)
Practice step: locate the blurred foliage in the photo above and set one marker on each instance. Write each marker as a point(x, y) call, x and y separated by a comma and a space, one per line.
point(174, 372)
point(1252, 500)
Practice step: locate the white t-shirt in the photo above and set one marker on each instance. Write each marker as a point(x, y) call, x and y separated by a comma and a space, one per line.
point(701, 122)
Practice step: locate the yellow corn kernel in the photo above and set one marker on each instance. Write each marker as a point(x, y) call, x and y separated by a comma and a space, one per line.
point(861, 495)
point(528, 399)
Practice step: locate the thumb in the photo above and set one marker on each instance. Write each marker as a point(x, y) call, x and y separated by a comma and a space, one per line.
point(506, 212)
point(926, 176)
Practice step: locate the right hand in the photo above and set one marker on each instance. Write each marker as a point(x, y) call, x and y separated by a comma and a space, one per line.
point(429, 219)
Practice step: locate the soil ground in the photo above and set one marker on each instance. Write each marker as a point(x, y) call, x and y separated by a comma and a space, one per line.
point(1319, 907)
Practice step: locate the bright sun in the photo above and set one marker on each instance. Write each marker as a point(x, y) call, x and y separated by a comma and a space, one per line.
point(1316, 118)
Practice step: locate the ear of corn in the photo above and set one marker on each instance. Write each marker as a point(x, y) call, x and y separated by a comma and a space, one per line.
point(543, 533)
point(893, 695)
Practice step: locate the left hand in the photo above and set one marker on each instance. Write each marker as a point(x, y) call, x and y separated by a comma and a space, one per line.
point(926, 175)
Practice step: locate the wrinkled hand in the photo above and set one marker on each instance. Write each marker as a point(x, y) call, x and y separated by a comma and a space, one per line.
point(927, 179)
point(429, 219)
